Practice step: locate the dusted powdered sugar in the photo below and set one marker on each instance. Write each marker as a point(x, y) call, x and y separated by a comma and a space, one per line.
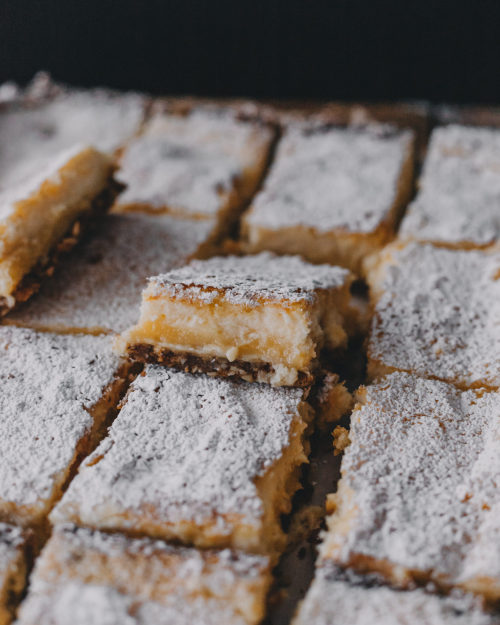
point(99, 286)
point(336, 598)
point(31, 134)
point(188, 448)
point(190, 164)
point(332, 178)
point(459, 198)
point(178, 585)
point(439, 315)
point(248, 280)
point(81, 603)
point(49, 384)
point(420, 477)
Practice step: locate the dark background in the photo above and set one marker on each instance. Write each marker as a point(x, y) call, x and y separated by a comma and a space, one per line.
point(337, 49)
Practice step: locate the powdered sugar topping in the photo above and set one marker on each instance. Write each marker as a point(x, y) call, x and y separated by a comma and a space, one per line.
point(86, 576)
point(188, 448)
point(49, 384)
point(336, 598)
point(333, 178)
point(459, 196)
point(248, 280)
point(31, 134)
point(190, 164)
point(424, 462)
point(99, 286)
point(439, 315)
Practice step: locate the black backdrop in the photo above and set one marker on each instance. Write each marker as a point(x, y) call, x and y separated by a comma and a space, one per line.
point(344, 49)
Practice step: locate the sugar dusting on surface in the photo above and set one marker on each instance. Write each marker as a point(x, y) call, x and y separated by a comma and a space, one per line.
point(49, 384)
point(459, 196)
point(337, 598)
point(100, 285)
point(424, 461)
point(249, 279)
point(334, 178)
point(189, 448)
point(190, 163)
point(439, 315)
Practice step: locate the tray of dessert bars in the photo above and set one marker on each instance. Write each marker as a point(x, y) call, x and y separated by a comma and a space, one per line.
point(250, 361)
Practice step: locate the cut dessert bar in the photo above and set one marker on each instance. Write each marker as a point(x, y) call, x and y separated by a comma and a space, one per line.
point(436, 313)
point(459, 198)
point(14, 555)
point(98, 287)
point(37, 127)
point(87, 577)
point(58, 392)
point(340, 598)
point(38, 218)
point(205, 164)
point(194, 458)
point(263, 317)
point(333, 194)
point(418, 499)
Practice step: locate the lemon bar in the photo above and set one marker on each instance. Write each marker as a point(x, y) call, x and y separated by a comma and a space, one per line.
point(39, 126)
point(205, 164)
point(58, 392)
point(458, 202)
point(14, 561)
point(206, 461)
point(418, 500)
point(333, 195)
point(337, 597)
point(98, 287)
point(38, 218)
point(437, 314)
point(263, 318)
point(86, 576)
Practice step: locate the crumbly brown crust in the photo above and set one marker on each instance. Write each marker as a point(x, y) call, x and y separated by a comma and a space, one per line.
point(191, 363)
point(45, 268)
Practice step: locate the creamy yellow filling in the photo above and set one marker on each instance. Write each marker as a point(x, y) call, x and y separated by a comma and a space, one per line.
point(38, 215)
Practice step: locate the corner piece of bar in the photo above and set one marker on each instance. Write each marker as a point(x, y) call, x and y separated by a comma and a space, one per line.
point(86, 576)
point(338, 597)
point(43, 122)
point(459, 190)
point(418, 501)
point(196, 459)
point(437, 314)
point(205, 164)
point(333, 195)
point(58, 392)
point(97, 289)
point(40, 218)
point(262, 318)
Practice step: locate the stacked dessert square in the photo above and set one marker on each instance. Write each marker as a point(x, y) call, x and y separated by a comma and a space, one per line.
point(178, 309)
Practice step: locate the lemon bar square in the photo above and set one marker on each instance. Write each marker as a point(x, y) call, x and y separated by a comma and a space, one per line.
point(38, 218)
point(38, 126)
point(205, 164)
point(417, 501)
point(333, 195)
point(436, 313)
point(86, 576)
point(263, 318)
point(205, 461)
point(97, 289)
point(459, 191)
point(58, 392)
